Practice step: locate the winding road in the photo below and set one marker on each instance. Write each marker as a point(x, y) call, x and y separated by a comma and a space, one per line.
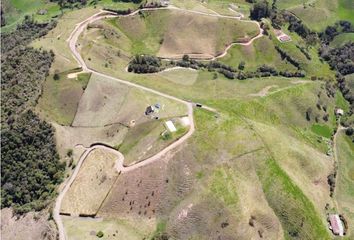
point(72, 40)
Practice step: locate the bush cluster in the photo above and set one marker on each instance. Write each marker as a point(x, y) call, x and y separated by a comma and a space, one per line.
point(144, 64)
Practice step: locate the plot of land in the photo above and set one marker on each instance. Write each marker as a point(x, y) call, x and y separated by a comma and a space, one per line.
point(172, 33)
point(61, 97)
point(70, 137)
point(87, 228)
point(146, 139)
point(180, 76)
point(106, 102)
point(96, 177)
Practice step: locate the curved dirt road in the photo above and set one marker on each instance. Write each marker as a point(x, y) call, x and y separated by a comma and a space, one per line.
point(119, 165)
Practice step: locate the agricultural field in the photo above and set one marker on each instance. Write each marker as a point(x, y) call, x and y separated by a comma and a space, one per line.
point(107, 101)
point(87, 228)
point(61, 96)
point(94, 181)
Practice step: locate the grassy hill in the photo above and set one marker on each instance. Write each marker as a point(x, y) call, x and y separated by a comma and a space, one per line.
point(257, 168)
point(319, 14)
point(164, 33)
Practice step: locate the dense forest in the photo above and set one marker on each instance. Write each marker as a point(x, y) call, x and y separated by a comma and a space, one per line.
point(30, 164)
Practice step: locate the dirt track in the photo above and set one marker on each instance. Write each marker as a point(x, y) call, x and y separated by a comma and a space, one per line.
point(72, 40)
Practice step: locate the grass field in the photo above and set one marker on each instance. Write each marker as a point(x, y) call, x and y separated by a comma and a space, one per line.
point(144, 140)
point(92, 184)
point(87, 228)
point(322, 130)
point(344, 191)
point(206, 34)
point(322, 13)
point(342, 39)
point(287, 200)
point(261, 52)
point(181, 76)
point(60, 98)
point(106, 101)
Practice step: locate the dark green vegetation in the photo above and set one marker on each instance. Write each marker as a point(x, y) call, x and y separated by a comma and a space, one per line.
point(151, 64)
point(341, 59)
point(30, 164)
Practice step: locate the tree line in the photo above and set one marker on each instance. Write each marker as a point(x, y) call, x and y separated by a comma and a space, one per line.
point(30, 167)
point(149, 64)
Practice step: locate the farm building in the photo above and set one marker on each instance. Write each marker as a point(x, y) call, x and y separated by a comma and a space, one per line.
point(336, 225)
point(170, 126)
point(152, 109)
point(339, 112)
point(165, 3)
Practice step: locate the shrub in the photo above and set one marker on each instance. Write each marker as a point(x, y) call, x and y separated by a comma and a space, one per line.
point(99, 234)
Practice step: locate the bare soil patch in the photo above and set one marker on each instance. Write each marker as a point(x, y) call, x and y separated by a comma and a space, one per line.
point(92, 184)
point(189, 33)
point(31, 226)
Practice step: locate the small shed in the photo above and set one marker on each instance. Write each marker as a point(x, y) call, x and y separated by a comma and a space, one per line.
point(336, 225)
point(170, 126)
point(149, 110)
point(339, 112)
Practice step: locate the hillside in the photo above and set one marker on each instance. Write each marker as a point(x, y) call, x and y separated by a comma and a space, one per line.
point(177, 119)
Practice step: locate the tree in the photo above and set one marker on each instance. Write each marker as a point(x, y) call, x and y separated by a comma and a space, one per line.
point(241, 66)
point(260, 10)
point(99, 234)
point(185, 58)
point(56, 76)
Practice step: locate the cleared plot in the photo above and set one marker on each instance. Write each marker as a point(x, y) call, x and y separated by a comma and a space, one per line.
point(70, 137)
point(164, 33)
point(136, 194)
point(87, 228)
point(145, 139)
point(344, 191)
point(106, 101)
point(60, 97)
point(180, 76)
point(32, 225)
point(92, 184)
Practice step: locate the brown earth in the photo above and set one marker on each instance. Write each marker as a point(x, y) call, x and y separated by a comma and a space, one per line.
point(93, 182)
point(31, 226)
